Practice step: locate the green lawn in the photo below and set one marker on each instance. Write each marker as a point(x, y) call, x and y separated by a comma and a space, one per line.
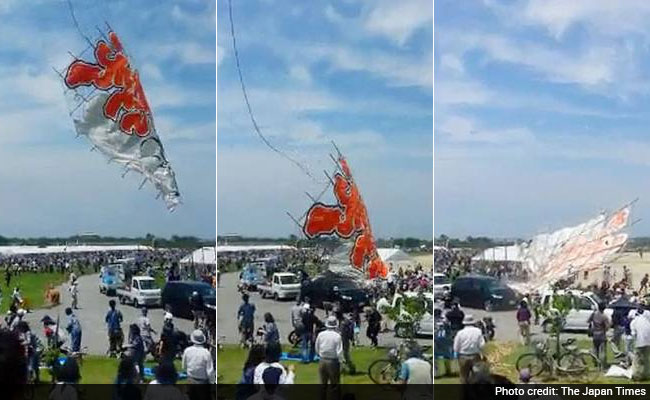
point(99, 370)
point(230, 362)
point(503, 358)
point(32, 286)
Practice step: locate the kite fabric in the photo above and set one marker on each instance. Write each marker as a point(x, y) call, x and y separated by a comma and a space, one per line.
point(585, 247)
point(115, 116)
point(348, 219)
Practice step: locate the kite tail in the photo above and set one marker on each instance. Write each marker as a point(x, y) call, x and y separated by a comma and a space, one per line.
point(302, 167)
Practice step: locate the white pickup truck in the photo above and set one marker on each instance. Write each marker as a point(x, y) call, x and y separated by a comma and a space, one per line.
point(283, 285)
point(142, 292)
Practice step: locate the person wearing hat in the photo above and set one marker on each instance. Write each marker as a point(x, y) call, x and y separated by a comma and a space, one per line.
point(329, 347)
point(197, 361)
point(168, 338)
point(468, 345)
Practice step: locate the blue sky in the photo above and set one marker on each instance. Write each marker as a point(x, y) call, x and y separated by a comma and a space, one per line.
point(541, 114)
point(51, 183)
point(357, 72)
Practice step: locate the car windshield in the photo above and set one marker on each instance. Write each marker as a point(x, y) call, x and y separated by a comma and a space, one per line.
point(288, 280)
point(147, 284)
point(207, 291)
point(497, 286)
point(440, 280)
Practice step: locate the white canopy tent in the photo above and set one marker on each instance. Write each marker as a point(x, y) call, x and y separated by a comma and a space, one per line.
point(20, 250)
point(500, 254)
point(202, 256)
point(396, 257)
point(272, 247)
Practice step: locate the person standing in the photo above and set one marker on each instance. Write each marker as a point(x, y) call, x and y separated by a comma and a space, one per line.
point(347, 336)
point(468, 345)
point(74, 329)
point(644, 284)
point(308, 322)
point(523, 319)
point(246, 317)
point(113, 321)
point(74, 294)
point(197, 361)
point(374, 324)
point(197, 305)
point(146, 330)
point(329, 347)
point(640, 329)
point(136, 348)
point(271, 333)
point(598, 326)
point(455, 316)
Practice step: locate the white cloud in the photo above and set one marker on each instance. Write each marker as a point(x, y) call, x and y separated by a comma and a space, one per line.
point(397, 20)
point(300, 73)
point(460, 129)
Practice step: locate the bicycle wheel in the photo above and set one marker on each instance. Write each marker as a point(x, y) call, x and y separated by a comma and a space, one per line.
point(532, 361)
point(582, 365)
point(382, 372)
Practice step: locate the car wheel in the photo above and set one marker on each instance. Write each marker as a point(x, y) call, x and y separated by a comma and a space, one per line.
point(122, 300)
point(136, 303)
point(488, 306)
point(402, 331)
point(547, 327)
point(276, 297)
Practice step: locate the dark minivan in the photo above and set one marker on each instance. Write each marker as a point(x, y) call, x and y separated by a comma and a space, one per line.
point(175, 297)
point(485, 292)
point(321, 289)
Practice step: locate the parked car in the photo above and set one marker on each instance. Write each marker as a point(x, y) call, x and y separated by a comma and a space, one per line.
point(583, 304)
point(142, 291)
point(440, 282)
point(485, 292)
point(321, 289)
point(283, 285)
point(424, 327)
point(175, 297)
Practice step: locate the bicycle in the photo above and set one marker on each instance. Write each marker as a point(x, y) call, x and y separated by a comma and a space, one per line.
point(386, 371)
point(570, 361)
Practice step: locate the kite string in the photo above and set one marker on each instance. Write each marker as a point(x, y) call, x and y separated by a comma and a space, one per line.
point(248, 104)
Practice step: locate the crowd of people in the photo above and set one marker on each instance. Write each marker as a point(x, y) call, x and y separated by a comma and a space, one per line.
point(66, 337)
point(330, 341)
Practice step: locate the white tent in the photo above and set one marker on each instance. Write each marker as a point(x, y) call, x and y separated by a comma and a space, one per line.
point(271, 247)
point(203, 256)
point(396, 257)
point(500, 253)
point(18, 250)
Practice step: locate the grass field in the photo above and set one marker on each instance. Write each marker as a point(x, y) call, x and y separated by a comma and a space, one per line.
point(503, 358)
point(32, 286)
point(231, 360)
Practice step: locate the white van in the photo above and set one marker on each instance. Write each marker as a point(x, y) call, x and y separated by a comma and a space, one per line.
point(584, 304)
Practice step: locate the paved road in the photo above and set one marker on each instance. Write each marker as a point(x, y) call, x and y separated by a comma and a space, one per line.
point(93, 308)
point(507, 329)
point(228, 301)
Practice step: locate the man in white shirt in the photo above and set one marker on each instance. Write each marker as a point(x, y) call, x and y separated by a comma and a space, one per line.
point(640, 328)
point(197, 361)
point(329, 347)
point(468, 345)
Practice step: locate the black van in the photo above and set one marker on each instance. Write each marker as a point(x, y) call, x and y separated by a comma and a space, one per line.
point(485, 292)
point(175, 297)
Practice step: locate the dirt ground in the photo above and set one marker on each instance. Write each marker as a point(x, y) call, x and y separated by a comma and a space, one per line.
point(636, 264)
